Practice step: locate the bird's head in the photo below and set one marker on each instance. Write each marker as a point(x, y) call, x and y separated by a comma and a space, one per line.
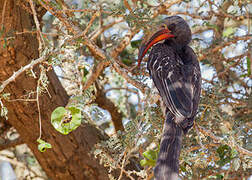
point(173, 29)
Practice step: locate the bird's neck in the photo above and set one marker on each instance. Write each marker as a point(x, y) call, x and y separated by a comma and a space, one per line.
point(177, 47)
point(180, 50)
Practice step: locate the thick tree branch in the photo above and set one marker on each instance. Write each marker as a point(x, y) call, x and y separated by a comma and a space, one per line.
point(107, 104)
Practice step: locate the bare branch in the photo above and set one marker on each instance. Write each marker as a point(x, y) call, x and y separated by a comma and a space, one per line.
point(90, 23)
point(39, 34)
point(101, 30)
point(94, 49)
point(227, 43)
point(3, 12)
point(95, 73)
point(125, 75)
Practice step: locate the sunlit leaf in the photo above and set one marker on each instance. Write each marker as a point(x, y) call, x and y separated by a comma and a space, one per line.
point(136, 43)
point(228, 32)
point(43, 145)
point(66, 120)
point(236, 163)
point(248, 66)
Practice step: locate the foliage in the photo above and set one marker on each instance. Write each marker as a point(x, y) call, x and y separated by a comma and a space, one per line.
point(219, 143)
point(43, 145)
point(66, 120)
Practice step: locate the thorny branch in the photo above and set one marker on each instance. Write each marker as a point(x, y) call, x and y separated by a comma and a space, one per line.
point(105, 59)
point(223, 45)
point(220, 140)
point(39, 34)
point(25, 68)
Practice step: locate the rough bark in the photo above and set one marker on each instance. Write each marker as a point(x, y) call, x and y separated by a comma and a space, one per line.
point(69, 158)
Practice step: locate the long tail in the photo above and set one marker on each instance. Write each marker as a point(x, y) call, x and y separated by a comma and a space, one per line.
point(167, 167)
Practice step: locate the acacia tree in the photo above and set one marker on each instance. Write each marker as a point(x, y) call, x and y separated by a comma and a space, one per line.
point(93, 47)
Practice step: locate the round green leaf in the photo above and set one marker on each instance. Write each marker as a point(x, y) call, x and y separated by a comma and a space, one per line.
point(66, 120)
point(57, 116)
point(43, 145)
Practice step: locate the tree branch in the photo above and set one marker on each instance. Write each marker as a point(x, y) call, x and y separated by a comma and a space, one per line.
point(107, 104)
point(220, 140)
point(22, 69)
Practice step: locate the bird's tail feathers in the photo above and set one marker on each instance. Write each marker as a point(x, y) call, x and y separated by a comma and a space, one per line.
point(167, 166)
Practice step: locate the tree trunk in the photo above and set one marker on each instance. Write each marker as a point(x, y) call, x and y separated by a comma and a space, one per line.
point(69, 157)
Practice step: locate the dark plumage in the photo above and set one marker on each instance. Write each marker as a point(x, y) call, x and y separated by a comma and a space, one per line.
point(175, 71)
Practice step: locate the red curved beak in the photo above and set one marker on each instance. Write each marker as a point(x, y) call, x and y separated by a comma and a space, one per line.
point(158, 36)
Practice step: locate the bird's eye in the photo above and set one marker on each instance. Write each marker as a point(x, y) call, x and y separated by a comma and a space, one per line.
point(172, 27)
point(164, 26)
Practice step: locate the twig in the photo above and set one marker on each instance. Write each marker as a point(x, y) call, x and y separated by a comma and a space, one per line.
point(125, 75)
point(38, 106)
point(220, 140)
point(95, 73)
point(39, 34)
point(97, 69)
point(3, 12)
point(194, 148)
point(123, 164)
point(28, 100)
point(227, 43)
point(93, 48)
point(22, 69)
point(163, 7)
point(81, 10)
point(118, 166)
point(90, 23)
point(101, 30)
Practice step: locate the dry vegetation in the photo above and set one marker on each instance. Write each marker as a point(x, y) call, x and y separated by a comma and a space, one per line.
point(93, 45)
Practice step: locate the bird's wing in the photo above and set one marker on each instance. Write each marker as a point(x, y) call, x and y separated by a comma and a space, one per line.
point(173, 80)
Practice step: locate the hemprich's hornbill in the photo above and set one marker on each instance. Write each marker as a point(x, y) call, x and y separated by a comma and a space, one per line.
point(175, 71)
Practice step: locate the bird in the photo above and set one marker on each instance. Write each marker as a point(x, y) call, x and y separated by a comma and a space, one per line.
point(175, 71)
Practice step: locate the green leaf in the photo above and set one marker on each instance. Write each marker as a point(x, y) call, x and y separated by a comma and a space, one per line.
point(66, 120)
point(248, 66)
point(4, 112)
point(31, 160)
point(136, 43)
point(150, 158)
point(150, 155)
point(128, 62)
point(208, 24)
point(76, 118)
point(43, 145)
point(225, 154)
point(57, 116)
point(219, 176)
point(85, 73)
point(234, 153)
point(143, 162)
point(183, 168)
point(228, 32)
